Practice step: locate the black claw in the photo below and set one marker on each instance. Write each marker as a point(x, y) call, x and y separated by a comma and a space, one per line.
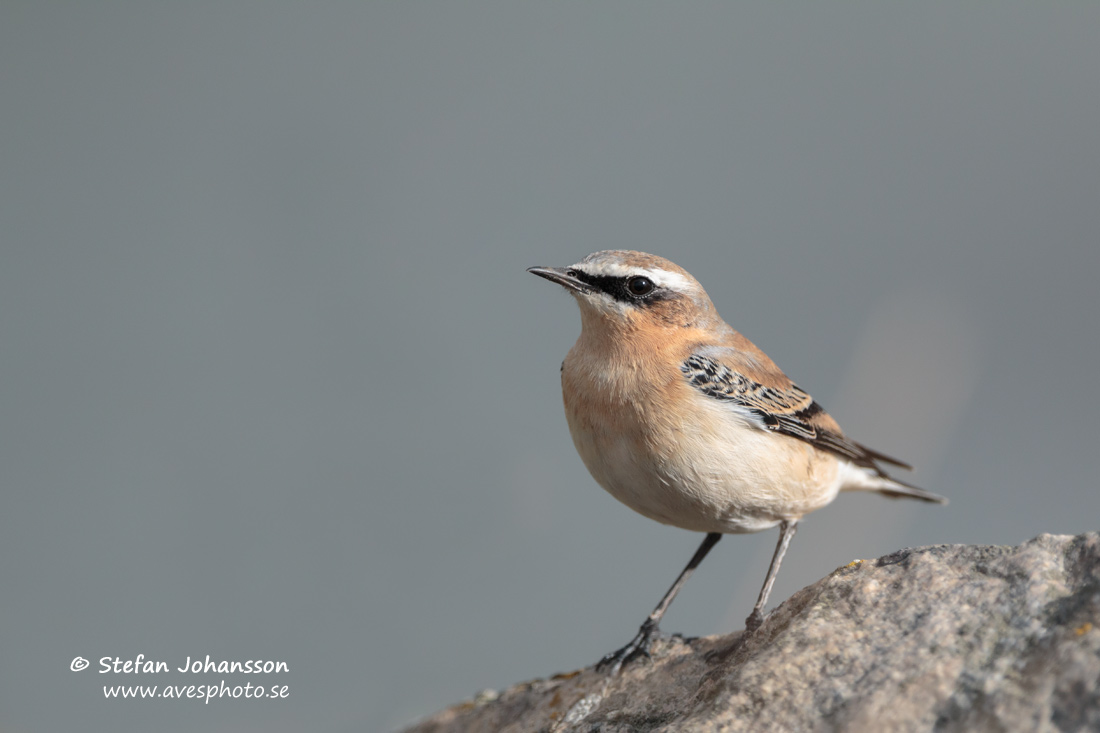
point(638, 647)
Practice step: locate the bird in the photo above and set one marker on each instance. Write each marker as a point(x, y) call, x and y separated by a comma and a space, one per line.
point(687, 422)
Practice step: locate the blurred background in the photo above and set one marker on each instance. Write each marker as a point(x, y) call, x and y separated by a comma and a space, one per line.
point(275, 385)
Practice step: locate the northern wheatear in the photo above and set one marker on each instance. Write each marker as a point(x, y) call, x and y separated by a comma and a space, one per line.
point(685, 421)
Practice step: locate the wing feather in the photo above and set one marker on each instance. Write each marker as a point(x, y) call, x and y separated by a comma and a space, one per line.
point(785, 409)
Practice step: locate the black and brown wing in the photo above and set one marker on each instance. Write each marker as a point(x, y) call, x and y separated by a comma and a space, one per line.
point(781, 407)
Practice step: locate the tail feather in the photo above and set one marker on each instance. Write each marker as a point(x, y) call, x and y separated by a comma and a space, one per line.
point(906, 491)
point(862, 478)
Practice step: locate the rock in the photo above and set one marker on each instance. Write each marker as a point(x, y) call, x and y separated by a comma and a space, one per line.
point(945, 638)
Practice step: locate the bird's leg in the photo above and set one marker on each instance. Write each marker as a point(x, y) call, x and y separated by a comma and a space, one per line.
point(787, 528)
point(640, 643)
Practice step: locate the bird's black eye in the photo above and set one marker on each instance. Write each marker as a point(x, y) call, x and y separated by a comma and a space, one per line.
point(571, 273)
point(640, 286)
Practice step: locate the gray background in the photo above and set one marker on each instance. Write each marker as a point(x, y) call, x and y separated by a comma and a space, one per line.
point(274, 383)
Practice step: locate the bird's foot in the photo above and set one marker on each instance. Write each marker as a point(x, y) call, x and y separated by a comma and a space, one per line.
point(638, 647)
point(753, 622)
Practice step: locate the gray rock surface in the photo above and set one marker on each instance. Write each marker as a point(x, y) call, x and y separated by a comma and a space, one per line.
point(944, 638)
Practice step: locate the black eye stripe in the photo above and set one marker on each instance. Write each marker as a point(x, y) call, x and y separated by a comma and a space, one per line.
point(618, 287)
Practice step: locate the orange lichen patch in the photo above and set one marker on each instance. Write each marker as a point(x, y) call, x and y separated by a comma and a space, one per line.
point(1083, 629)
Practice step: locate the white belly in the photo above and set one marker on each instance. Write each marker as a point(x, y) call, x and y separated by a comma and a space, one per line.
point(712, 473)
